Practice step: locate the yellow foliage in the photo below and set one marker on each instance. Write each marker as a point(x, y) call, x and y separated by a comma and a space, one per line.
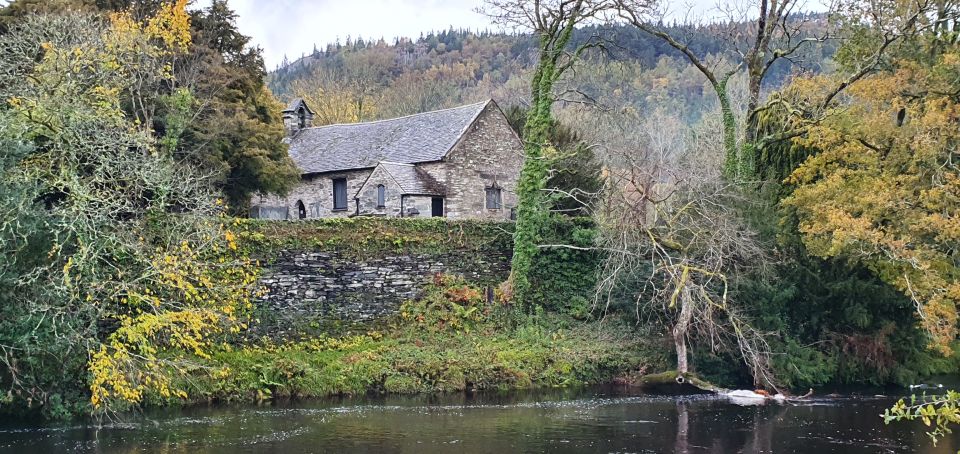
point(884, 189)
point(99, 71)
point(191, 298)
point(171, 25)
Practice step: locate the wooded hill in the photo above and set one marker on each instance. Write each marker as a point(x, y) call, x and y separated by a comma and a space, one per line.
point(361, 80)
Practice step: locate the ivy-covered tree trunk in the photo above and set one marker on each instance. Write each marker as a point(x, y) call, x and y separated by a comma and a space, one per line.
point(532, 209)
point(552, 23)
point(733, 162)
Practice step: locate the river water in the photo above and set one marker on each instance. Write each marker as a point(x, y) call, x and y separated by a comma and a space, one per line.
point(601, 420)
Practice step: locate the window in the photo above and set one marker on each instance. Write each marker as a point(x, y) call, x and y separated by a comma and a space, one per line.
point(302, 115)
point(339, 194)
point(381, 196)
point(494, 199)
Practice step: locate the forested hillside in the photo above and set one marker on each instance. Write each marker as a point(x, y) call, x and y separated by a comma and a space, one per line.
point(371, 79)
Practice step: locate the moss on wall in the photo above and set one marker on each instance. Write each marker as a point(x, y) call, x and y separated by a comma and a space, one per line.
point(369, 237)
point(562, 278)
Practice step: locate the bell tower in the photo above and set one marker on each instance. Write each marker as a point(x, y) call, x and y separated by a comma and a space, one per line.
point(297, 116)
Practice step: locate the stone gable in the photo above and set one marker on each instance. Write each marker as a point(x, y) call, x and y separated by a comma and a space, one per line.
point(490, 155)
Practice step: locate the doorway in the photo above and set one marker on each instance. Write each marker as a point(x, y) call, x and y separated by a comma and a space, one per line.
point(436, 207)
point(301, 210)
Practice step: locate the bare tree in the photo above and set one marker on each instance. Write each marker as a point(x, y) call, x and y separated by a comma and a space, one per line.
point(675, 245)
point(338, 96)
point(774, 35)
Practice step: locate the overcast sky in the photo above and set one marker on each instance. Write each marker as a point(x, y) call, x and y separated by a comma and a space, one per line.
point(291, 27)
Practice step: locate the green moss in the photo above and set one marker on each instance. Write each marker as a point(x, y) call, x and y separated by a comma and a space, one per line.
point(374, 237)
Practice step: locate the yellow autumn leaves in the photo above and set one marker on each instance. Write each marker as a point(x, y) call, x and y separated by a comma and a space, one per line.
point(191, 293)
point(884, 189)
point(100, 69)
point(179, 312)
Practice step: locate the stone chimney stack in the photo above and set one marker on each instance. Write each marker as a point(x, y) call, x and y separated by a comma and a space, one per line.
point(297, 116)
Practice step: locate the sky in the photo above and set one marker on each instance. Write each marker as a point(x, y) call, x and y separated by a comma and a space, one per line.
point(292, 27)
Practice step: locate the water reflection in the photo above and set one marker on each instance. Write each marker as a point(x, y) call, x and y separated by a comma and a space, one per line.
point(564, 421)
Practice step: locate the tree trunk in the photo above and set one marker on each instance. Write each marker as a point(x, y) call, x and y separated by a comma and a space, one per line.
point(680, 331)
point(532, 209)
point(530, 206)
point(747, 157)
point(732, 162)
point(755, 78)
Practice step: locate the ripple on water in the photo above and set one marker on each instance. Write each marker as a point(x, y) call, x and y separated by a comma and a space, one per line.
point(588, 422)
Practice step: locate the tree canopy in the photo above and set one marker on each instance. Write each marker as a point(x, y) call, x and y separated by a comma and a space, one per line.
point(224, 120)
point(114, 250)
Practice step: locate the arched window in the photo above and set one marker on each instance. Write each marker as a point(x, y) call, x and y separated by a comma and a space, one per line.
point(302, 115)
point(301, 210)
point(381, 196)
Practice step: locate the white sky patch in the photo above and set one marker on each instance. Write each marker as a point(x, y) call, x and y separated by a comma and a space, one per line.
point(292, 27)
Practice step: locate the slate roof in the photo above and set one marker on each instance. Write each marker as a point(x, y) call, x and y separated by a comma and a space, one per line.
point(292, 107)
point(413, 180)
point(423, 137)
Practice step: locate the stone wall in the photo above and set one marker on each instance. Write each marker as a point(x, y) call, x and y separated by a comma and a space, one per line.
point(422, 204)
point(367, 195)
point(489, 155)
point(334, 272)
point(316, 194)
point(305, 288)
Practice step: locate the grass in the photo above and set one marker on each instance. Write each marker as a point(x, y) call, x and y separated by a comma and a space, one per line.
point(448, 341)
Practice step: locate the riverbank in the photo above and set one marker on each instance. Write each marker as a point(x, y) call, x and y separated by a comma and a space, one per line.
point(449, 340)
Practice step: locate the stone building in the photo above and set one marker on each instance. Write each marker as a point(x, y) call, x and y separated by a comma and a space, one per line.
point(462, 162)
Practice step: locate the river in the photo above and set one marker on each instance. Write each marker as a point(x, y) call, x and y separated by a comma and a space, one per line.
point(604, 420)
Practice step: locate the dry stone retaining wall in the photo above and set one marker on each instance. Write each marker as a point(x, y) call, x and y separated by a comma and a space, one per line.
point(308, 289)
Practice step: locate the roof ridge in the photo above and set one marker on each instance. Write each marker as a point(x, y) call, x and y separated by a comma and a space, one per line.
point(291, 106)
point(367, 180)
point(394, 143)
point(397, 163)
point(385, 120)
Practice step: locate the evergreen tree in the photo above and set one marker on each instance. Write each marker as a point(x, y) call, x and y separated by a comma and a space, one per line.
point(241, 132)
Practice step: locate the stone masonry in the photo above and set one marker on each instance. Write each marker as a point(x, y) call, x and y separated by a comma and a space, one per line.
point(454, 155)
point(306, 287)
